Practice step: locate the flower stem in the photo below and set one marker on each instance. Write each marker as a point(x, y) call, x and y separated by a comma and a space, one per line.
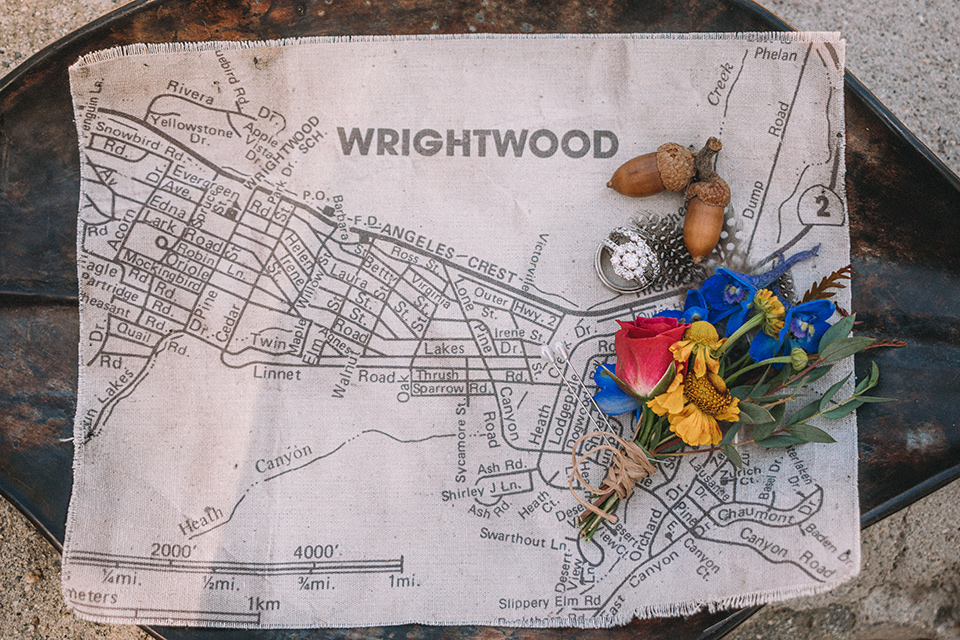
point(813, 364)
point(763, 376)
point(637, 430)
point(665, 443)
point(780, 401)
point(738, 363)
point(593, 522)
point(755, 365)
point(666, 440)
point(607, 501)
point(599, 499)
point(643, 435)
point(744, 328)
point(709, 449)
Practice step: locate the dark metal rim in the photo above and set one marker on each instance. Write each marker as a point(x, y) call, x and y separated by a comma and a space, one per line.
point(721, 629)
point(51, 50)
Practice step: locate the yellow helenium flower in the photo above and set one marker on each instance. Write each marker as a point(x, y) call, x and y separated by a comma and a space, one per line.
point(694, 404)
point(701, 339)
point(772, 309)
point(670, 401)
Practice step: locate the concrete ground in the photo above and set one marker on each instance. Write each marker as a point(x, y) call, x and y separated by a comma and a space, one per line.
point(908, 53)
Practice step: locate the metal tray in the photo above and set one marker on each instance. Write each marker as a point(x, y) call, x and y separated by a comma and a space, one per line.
point(904, 206)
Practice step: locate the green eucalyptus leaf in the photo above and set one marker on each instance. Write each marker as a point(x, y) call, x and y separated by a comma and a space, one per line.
point(872, 399)
point(841, 329)
point(754, 413)
point(805, 412)
point(759, 389)
point(844, 409)
point(777, 412)
point(741, 392)
point(731, 453)
point(731, 432)
point(763, 431)
point(775, 397)
point(813, 376)
point(832, 391)
point(779, 441)
point(784, 374)
point(809, 433)
point(870, 381)
point(844, 348)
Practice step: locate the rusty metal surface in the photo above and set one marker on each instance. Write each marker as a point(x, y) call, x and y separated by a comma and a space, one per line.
point(904, 209)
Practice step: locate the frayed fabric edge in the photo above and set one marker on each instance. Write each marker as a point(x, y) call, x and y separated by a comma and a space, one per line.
point(670, 610)
point(147, 49)
point(647, 612)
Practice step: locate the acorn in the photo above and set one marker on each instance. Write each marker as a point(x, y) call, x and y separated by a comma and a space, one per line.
point(670, 168)
point(703, 221)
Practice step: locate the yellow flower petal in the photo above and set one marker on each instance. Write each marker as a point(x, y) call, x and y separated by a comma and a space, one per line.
point(695, 427)
point(671, 400)
point(700, 363)
point(702, 340)
point(772, 309)
point(681, 350)
point(712, 363)
point(682, 403)
point(731, 413)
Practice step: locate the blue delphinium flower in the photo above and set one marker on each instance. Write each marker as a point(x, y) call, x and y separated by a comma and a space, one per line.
point(611, 399)
point(694, 308)
point(728, 295)
point(803, 327)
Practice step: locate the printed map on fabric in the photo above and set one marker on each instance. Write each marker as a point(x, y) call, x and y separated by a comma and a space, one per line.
point(315, 278)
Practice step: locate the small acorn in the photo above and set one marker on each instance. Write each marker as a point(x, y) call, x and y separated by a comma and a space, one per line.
point(670, 168)
point(703, 221)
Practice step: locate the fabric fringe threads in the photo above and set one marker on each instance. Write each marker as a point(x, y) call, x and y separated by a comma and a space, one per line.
point(139, 49)
point(127, 80)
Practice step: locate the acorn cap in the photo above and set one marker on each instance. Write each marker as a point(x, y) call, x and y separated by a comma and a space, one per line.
point(675, 164)
point(714, 191)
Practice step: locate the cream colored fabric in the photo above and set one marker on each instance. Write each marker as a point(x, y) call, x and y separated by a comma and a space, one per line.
point(314, 281)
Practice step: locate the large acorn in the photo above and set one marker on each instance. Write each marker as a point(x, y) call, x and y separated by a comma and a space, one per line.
point(703, 221)
point(671, 168)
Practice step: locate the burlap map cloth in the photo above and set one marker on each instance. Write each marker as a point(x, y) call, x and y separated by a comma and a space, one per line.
point(314, 281)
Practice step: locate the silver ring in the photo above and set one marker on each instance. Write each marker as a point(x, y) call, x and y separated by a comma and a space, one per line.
point(625, 262)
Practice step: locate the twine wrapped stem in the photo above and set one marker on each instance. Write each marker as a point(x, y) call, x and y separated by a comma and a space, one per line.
point(630, 465)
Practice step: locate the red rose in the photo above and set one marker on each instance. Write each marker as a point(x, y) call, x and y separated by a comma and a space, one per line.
point(643, 351)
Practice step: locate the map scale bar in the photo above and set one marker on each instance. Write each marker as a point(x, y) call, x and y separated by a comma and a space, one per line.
point(178, 565)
